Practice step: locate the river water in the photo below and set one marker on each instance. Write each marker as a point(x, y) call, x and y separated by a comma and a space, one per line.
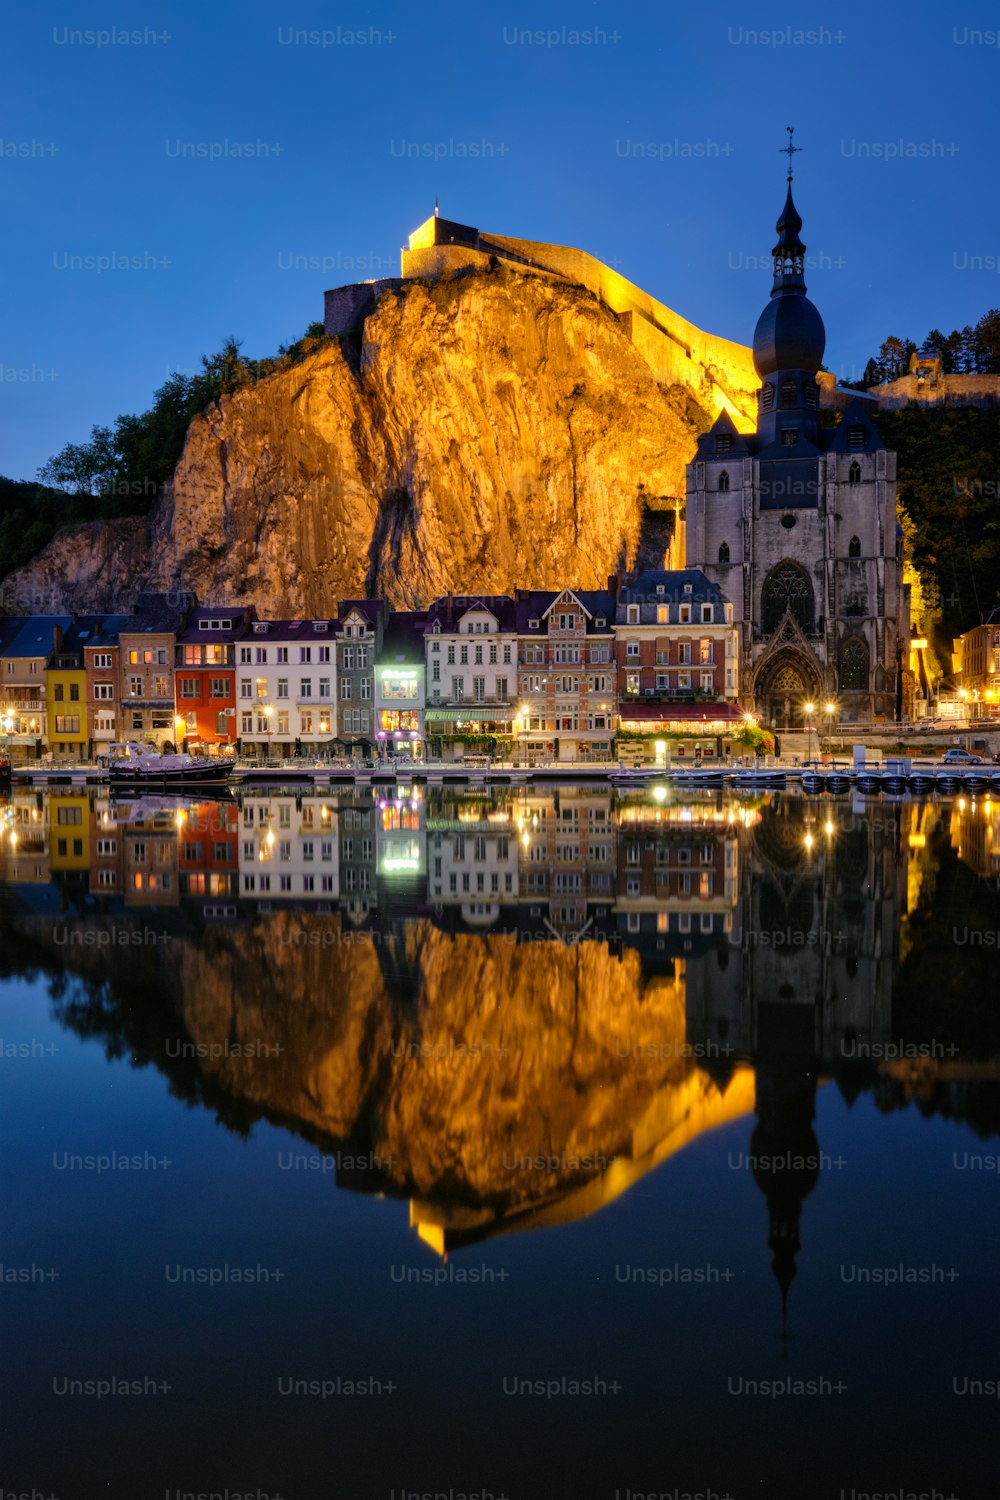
point(538, 1143)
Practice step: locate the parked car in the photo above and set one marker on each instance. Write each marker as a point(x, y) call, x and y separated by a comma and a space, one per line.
point(955, 757)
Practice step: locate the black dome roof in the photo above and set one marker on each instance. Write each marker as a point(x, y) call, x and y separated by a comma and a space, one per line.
point(789, 335)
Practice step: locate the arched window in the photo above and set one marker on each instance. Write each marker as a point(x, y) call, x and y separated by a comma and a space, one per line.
point(853, 673)
point(724, 552)
point(724, 483)
point(854, 547)
point(854, 473)
point(787, 587)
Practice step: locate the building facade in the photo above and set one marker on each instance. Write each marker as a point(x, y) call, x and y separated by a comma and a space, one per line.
point(287, 688)
point(360, 624)
point(471, 655)
point(102, 672)
point(979, 655)
point(400, 685)
point(146, 663)
point(205, 682)
point(66, 693)
point(26, 644)
point(567, 674)
point(796, 523)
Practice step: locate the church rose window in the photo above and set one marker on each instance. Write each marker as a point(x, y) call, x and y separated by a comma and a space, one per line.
point(853, 672)
point(787, 588)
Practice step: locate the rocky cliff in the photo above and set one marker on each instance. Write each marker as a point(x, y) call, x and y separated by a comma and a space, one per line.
point(487, 429)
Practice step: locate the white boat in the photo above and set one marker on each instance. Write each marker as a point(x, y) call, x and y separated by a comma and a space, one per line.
point(140, 765)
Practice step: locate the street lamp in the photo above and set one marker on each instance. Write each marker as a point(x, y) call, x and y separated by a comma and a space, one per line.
point(520, 723)
point(810, 709)
point(829, 712)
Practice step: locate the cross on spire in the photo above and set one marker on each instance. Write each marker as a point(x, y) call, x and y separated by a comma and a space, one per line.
point(790, 149)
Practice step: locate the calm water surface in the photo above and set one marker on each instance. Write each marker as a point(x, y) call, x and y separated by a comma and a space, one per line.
point(554, 1143)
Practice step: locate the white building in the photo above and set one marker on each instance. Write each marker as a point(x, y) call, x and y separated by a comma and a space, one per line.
point(471, 655)
point(286, 688)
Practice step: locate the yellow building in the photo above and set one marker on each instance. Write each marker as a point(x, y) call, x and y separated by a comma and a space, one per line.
point(66, 694)
point(69, 833)
point(66, 713)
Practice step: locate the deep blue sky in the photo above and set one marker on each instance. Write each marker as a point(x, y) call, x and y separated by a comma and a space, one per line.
point(894, 237)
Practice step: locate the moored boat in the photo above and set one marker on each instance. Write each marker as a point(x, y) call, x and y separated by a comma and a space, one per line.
point(130, 764)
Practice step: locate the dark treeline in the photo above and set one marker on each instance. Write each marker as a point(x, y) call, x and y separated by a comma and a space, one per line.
point(122, 469)
point(972, 350)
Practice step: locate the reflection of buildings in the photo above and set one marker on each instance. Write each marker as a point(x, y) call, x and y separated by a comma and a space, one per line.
point(741, 987)
point(975, 835)
point(472, 853)
point(288, 848)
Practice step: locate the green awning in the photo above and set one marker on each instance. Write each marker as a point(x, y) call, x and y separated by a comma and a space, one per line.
point(473, 713)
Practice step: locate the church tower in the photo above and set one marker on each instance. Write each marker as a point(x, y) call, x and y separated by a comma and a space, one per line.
point(796, 521)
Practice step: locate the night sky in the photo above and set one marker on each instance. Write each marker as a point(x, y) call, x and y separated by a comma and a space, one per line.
point(653, 144)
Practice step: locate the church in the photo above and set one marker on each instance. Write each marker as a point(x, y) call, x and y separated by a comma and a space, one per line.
point(796, 524)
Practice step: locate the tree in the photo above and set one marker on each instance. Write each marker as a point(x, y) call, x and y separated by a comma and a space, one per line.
point(893, 357)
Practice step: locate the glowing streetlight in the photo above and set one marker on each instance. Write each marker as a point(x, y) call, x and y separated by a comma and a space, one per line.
point(809, 709)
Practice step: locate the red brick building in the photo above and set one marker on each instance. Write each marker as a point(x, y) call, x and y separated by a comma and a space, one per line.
point(205, 677)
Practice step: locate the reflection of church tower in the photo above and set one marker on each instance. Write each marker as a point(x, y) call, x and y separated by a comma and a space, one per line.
point(786, 1107)
point(796, 521)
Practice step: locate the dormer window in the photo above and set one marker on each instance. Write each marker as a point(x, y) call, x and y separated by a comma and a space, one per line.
point(534, 624)
point(689, 588)
point(724, 442)
point(319, 626)
point(660, 588)
point(855, 439)
point(601, 622)
point(724, 482)
point(260, 628)
point(788, 392)
point(632, 614)
point(724, 552)
point(854, 547)
point(854, 473)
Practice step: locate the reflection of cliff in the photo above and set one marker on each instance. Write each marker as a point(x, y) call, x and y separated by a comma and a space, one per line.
point(502, 1084)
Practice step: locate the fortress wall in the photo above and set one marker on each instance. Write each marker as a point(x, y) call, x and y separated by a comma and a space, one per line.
point(346, 307)
point(959, 390)
point(730, 364)
point(720, 371)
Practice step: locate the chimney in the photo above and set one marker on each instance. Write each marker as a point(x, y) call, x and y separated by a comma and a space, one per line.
point(57, 637)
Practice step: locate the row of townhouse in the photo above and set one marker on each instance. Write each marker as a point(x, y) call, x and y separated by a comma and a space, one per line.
point(541, 673)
